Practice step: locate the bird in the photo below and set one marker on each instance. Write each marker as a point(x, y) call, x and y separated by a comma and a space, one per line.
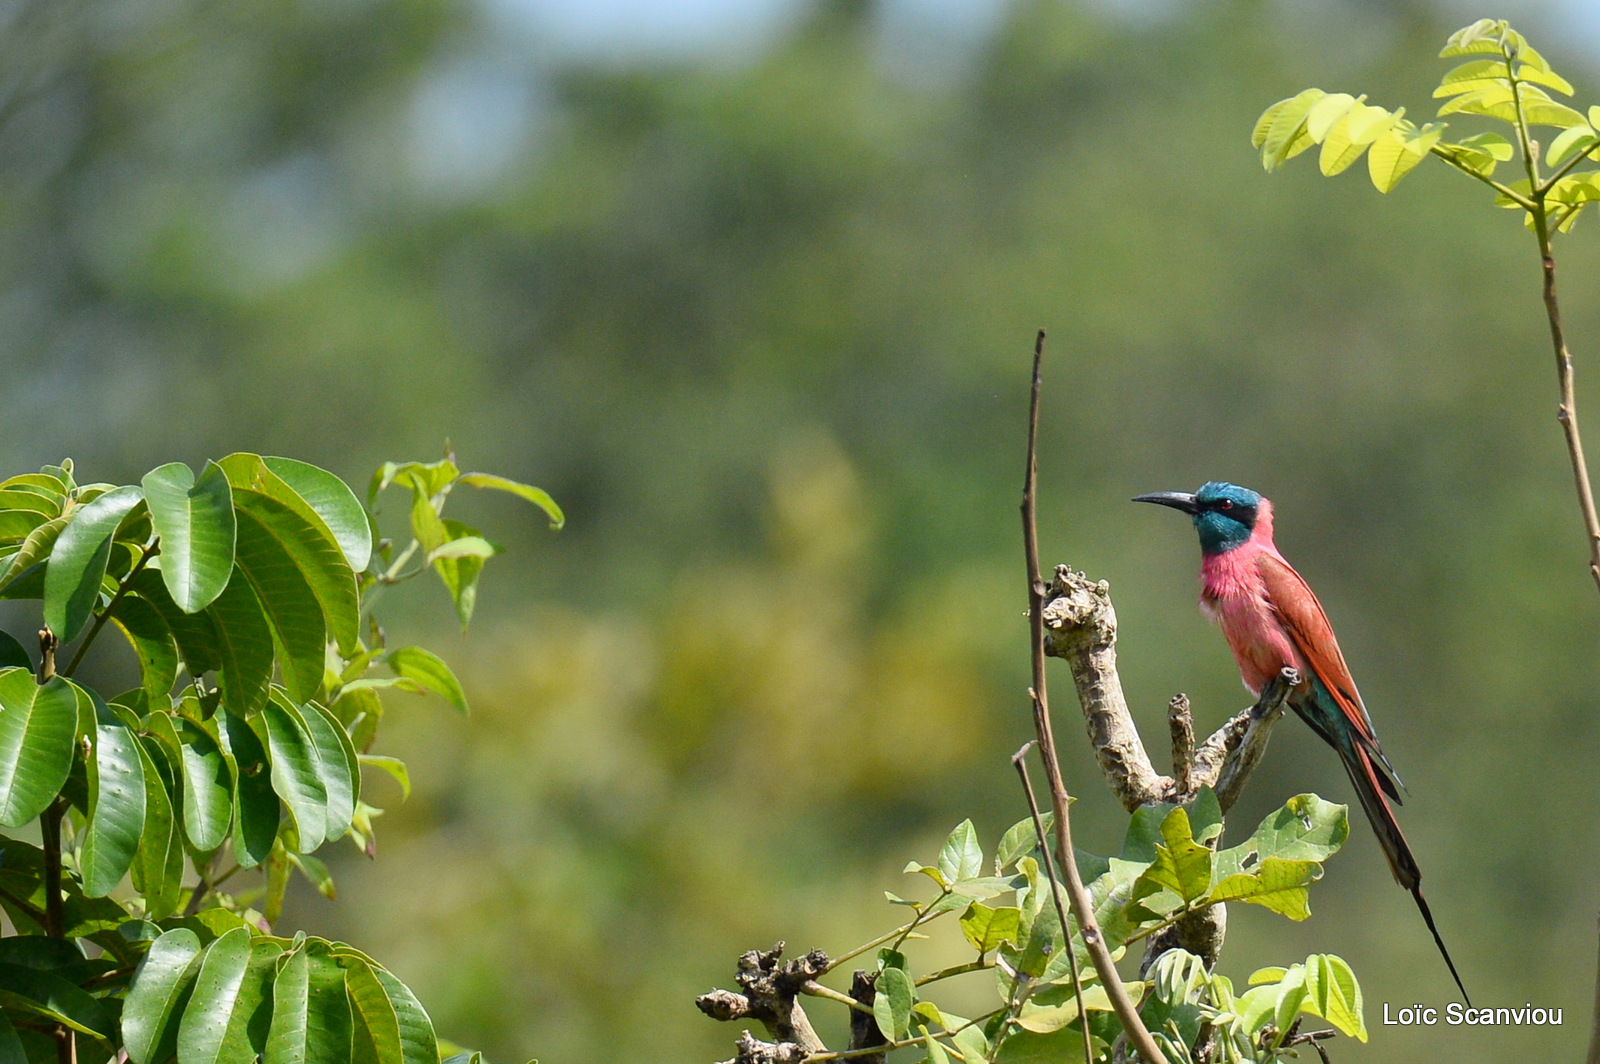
point(1272, 620)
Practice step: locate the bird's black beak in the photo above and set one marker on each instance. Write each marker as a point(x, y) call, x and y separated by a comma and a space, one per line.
point(1178, 500)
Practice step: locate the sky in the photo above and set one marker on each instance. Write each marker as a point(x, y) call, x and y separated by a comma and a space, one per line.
point(630, 27)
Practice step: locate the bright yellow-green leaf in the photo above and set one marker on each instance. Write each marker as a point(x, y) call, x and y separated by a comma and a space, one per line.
point(1493, 102)
point(1397, 153)
point(1483, 36)
point(1267, 975)
point(1264, 123)
point(1470, 77)
point(1351, 135)
point(1326, 111)
point(1043, 1019)
point(1286, 126)
point(1528, 72)
point(1334, 994)
point(1571, 142)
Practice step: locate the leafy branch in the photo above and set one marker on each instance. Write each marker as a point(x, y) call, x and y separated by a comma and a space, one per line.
point(1509, 86)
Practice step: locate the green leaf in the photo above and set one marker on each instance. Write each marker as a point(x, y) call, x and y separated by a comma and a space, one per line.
point(1398, 152)
point(1326, 112)
point(891, 1006)
point(1530, 72)
point(51, 997)
point(1287, 125)
point(1181, 865)
point(255, 824)
point(205, 1020)
point(1333, 993)
point(428, 669)
point(339, 769)
point(296, 775)
point(244, 642)
point(329, 1026)
point(460, 575)
point(986, 928)
point(38, 727)
point(11, 1049)
point(78, 561)
point(287, 1037)
point(194, 519)
point(961, 857)
point(1569, 143)
point(426, 524)
point(147, 632)
point(1483, 36)
point(1305, 828)
point(315, 872)
point(116, 809)
point(246, 1036)
point(417, 1041)
point(537, 496)
point(158, 863)
point(1275, 884)
point(1350, 136)
point(1064, 1046)
point(290, 606)
point(1258, 136)
point(372, 1010)
point(465, 547)
point(207, 787)
point(12, 654)
point(1019, 841)
point(333, 502)
point(34, 550)
point(318, 558)
point(45, 506)
point(194, 634)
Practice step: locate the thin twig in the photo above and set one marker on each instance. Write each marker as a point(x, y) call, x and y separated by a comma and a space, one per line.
point(1594, 1030)
point(1093, 940)
point(1567, 411)
point(816, 989)
point(1019, 761)
point(979, 965)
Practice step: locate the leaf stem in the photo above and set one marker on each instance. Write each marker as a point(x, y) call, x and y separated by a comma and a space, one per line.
point(105, 614)
point(978, 965)
point(874, 944)
point(816, 989)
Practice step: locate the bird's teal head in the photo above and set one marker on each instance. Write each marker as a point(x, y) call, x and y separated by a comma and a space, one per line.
point(1224, 514)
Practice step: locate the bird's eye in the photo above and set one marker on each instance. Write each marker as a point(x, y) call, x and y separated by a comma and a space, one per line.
point(1225, 504)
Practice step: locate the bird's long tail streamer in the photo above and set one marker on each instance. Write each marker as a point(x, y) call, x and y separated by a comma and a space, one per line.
point(1427, 916)
point(1363, 775)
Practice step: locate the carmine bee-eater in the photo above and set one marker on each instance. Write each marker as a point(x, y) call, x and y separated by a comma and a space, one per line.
point(1272, 621)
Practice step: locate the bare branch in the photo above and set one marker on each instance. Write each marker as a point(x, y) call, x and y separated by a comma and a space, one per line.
point(751, 1050)
point(1231, 753)
point(769, 992)
point(1080, 627)
point(1181, 724)
point(1127, 1013)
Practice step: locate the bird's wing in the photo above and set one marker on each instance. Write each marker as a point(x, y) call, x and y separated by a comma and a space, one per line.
point(1308, 627)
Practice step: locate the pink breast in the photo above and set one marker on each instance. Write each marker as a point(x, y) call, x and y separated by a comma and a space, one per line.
point(1232, 595)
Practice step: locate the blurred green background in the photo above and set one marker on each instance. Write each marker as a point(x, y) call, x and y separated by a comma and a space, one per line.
point(759, 314)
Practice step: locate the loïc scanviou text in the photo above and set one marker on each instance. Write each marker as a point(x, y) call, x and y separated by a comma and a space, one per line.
point(1456, 1014)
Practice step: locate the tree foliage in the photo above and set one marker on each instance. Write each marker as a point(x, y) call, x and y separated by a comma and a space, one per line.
point(1171, 866)
point(252, 582)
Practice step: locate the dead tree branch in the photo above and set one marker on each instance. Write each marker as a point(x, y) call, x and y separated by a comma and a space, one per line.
point(1081, 628)
point(770, 990)
point(1088, 927)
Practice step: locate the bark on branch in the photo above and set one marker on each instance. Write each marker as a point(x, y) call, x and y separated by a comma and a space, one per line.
point(770, 993)
point(1081, 628)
